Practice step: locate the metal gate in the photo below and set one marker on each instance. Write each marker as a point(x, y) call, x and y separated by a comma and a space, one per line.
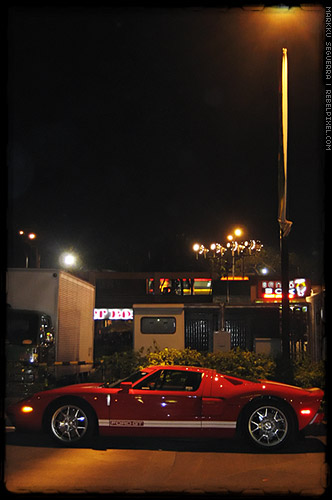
point(199, 328)
point(239, 329)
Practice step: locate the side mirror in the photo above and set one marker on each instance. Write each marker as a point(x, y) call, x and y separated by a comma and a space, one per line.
point(125, 386)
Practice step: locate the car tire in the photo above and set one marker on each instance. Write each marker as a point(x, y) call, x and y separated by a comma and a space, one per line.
point(71, 422)
point(268, 424)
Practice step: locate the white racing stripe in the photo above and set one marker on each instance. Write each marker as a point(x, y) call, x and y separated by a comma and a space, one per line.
point(172, 423)
point(103, 423)
point(219, 425)
point(187, 424)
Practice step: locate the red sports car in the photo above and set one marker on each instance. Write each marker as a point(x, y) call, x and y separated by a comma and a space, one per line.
point(174, 401)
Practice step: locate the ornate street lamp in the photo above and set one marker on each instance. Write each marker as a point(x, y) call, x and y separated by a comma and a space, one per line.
point(233, 247)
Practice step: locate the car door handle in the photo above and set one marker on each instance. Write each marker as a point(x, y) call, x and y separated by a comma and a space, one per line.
point(211, 400)
point(108, 400)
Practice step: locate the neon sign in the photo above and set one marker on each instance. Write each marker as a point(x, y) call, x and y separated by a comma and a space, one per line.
point(114, 314)
point(299, 288)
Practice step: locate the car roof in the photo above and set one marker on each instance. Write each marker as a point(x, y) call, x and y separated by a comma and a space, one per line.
point(181, 368)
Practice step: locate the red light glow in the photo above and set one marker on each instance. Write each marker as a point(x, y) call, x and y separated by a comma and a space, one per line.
point(305, 412)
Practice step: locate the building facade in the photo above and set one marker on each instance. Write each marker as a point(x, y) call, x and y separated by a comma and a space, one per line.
point(157, 310)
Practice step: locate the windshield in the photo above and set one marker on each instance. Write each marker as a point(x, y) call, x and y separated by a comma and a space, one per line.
point(23, 327)
point(132, 378)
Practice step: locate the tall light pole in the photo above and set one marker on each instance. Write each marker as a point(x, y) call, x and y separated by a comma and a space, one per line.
point(30, 238)
point(284, 224)
point(233, 245)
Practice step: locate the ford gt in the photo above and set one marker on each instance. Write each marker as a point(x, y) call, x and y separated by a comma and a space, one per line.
point(172, 401)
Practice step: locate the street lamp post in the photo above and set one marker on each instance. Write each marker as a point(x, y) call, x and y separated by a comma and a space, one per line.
point(236, 248)
point(284, 224)
point(30, 238)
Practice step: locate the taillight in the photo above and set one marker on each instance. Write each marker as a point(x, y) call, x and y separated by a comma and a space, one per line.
point(305, 412)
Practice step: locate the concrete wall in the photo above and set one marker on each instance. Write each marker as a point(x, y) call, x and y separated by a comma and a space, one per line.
point(155, 312)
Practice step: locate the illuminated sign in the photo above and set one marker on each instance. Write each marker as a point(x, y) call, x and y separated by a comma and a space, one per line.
point(299, 288)
point(201, 286)
point(113, 314)
point(234, 278)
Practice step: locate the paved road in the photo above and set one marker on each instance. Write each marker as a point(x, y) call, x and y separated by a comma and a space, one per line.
point(35, 464)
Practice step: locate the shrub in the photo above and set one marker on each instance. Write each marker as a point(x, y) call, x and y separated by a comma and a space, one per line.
point(121, 364)
point(308, 373)
point(170, 356)
point(239, 363)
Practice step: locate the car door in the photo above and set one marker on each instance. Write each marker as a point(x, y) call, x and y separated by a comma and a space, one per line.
point(218, 417)
point(166, 403)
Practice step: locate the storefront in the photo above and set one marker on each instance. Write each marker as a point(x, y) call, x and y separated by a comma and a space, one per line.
point(269, 291)
point(248, 308)
point(113, 330)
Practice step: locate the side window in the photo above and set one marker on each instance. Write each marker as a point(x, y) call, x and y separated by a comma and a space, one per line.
point(181, 380)
point(171, 380)
point(151, 383)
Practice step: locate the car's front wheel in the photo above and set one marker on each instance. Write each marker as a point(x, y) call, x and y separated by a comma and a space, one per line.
point(70, 423)
point(268, 425)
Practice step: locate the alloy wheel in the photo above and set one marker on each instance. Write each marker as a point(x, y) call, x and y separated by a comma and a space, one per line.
point(268, 426)
point(69, 423)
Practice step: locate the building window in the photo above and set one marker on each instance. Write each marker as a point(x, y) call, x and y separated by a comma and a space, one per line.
point(158, 324)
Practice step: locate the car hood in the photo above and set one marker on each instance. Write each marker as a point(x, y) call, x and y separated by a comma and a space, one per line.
point(71, 389)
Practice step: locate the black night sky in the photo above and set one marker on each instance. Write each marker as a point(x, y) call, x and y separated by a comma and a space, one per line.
point(134, 132)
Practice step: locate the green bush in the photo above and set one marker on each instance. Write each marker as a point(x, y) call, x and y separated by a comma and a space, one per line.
point(238, 363)
point(171, 356)
point(308, 373)
point(119, 365)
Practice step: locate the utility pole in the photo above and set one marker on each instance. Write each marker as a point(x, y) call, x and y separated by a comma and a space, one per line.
point(285, 298)
point(284, 224)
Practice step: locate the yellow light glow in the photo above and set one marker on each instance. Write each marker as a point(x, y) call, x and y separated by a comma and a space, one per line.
point(285, 105)
point(196, 247)
point(26, 409)
point(238, 232)
point(230, 237)
point(32, 236)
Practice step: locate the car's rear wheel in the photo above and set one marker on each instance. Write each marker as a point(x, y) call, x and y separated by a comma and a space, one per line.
point(70, 423)
point(268, 425)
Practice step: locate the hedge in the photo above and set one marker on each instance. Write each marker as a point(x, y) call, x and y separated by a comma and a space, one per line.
point(237, 362)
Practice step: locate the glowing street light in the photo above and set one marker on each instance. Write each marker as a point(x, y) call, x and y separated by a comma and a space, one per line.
point(200, 250)
point(68, 260)
point(239, 248)
point(29, 238)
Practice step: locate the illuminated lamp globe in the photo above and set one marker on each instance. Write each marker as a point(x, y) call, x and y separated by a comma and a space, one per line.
point(69, 259)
